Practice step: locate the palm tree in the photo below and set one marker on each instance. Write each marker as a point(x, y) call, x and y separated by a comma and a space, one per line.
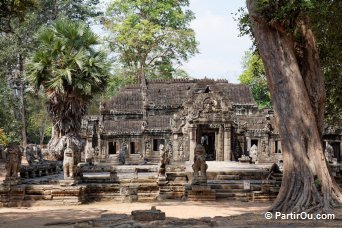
point(70, 70)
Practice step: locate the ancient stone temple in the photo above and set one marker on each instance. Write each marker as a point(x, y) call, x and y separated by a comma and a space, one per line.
point(180, 114)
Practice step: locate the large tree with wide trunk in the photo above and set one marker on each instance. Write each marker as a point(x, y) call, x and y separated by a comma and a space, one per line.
point(288, 49)
point(71, 71)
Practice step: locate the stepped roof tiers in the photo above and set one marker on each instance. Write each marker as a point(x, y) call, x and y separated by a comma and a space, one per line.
point(181, 113)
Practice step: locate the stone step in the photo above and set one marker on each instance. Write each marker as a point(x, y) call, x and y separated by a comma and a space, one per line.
point(265, 198)
point(232, 191)
point(38, 197)
point(226, 186)
point(228, 177)
point(254, 187)
point(232, 195)
point(277, 178)
point(272, 182)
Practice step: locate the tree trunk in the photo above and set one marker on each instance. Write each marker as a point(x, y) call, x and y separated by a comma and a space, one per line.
point(42, 130)
point(307, 184)
point(66, 112)
point(20, 70)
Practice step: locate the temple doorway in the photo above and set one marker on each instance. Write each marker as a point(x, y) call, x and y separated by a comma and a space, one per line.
point(208, 141)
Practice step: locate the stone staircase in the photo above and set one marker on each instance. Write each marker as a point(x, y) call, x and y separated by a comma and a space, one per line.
point(245, 186)
point(269, 189)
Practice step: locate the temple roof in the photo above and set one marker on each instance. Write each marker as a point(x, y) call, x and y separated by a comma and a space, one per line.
point(173, 93)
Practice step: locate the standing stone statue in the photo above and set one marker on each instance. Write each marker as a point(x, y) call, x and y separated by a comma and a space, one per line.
point(122, 154)
point(329, 153)
point(148, 148)
point(39, 154)
point(163, 160)
point(29, 154)
point(181, 150)
point(69, 163)
point(13, 161)
point(200, 166)
point(253, 153)
point(89, 158)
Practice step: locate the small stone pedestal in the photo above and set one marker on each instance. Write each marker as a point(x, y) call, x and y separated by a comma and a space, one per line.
point(148, 215)
point(129, 194)
point(245, 159)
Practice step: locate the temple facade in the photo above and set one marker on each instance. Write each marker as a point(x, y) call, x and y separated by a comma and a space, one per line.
point(181, 113)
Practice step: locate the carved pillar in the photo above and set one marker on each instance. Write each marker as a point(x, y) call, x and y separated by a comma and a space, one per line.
point(227, 143)
point(192, 131)
point(220, 144)
point(249, 142)
point(175, 147)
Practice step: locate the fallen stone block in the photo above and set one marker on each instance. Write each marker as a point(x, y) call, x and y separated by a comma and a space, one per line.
point(148, 215)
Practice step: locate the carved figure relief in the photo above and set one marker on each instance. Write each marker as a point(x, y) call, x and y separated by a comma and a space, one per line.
point(268, 126)
point(148, 147)
point(181, 149)
point(263, 147)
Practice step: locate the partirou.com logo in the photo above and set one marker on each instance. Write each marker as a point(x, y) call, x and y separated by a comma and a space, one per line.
point(298, 216)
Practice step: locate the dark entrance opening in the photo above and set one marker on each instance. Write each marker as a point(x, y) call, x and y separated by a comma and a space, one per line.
point(208, 141)
point(254, 142)
point(336, 146)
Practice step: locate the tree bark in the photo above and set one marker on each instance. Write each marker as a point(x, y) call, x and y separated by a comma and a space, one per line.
point(307, 184)
point(66, 112)
point(19, 77)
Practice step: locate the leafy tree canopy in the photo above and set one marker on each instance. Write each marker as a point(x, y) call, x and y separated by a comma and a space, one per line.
point(14, 10)
point(151, 37)
point(70, 70)
point(324, 18)
point(254, 76)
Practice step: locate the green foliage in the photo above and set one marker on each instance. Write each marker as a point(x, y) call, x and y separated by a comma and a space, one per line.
point(14, 10)
point(283, 11)
point(69, 69)
point(19, 21)
point(75, 10)
point(324, 17)
point(8, 123)
point(3, 138)
point(66, 60)
point(151, 37)
point(254, 76)
point(326, 24)
point(38, 124)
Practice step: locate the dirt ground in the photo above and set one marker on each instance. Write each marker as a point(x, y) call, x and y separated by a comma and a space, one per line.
point(178, 214)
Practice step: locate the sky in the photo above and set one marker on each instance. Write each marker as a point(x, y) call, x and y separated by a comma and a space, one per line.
point(221, 49)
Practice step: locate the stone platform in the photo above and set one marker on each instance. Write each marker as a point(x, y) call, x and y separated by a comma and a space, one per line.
point(225, 181)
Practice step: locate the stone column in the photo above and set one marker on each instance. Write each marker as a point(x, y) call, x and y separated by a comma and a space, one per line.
point(340, 150)
point(220, 144)
point(192, 132)
point(249, 142)
point(227, 143)
point(175, 147)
